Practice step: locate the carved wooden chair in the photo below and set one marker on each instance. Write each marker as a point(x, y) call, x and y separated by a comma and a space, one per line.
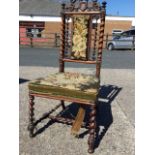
point(81, 42)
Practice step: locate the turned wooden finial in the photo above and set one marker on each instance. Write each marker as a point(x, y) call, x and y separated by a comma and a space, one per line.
point(72, 1)
point(63, 6)
point(104, 3)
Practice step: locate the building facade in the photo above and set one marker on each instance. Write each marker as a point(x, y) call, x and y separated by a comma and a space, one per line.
point(40, 22)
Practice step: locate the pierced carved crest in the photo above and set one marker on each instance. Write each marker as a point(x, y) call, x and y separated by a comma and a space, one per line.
point(83, 6)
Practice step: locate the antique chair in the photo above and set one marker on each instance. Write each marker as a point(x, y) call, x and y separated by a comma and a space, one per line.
point(81, 42)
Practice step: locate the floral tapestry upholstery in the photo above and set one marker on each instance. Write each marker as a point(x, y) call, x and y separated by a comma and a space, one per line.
point(80, 36)
point(75, 85)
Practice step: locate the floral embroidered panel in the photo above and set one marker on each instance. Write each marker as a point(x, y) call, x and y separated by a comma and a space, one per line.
point(80, 35)
point(71, 84)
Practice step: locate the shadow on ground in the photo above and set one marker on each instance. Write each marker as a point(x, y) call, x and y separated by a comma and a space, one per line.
point(104, 116)
point(21, 80)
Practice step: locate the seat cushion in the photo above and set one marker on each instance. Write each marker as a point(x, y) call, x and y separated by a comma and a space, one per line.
point(75, 85)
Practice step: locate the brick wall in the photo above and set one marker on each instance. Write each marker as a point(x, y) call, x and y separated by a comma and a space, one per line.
point(51, 28)
point(123, 25)
point(55, 27)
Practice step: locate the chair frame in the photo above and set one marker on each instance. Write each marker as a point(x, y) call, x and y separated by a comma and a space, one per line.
point(98, 11)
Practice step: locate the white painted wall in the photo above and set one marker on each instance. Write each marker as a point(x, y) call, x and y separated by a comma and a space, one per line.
point(58, 19)
point(40, 18)
point(133, 22)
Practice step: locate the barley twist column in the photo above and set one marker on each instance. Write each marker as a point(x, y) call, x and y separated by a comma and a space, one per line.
point(67, 38)
point(95, 40)
point(100, 45)
point(31, 115)
point(61, 62)
point(92, 129)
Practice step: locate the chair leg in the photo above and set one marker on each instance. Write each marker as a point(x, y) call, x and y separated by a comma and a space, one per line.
point(63, 105)
point(31, 115)
point(92, 129)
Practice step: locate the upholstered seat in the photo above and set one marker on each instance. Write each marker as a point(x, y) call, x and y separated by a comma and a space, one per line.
point(76, 85)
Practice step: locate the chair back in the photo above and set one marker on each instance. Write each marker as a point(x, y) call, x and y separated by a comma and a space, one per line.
point(82, 33)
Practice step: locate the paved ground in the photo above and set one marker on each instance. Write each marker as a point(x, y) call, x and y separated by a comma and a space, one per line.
point(49, 57)
point(116, 114)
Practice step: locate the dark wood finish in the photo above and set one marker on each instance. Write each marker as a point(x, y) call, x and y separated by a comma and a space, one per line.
point(89, 37)
point(95, 12)
point(61, 63)
point(67, 121)
point(67, 37)
point(100, 46)
point(83, 13)
point(80, 61)
point(92, 129)
point(47, 114)
point(31, 115)
point(69, 99)
point(71, 36)
point(95, 39)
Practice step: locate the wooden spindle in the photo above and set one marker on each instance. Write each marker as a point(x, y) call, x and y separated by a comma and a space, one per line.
point(95, 40)
point(100, 45)
point(31, 115)
point(67, 37)
point(61, 63)
point(92, 129)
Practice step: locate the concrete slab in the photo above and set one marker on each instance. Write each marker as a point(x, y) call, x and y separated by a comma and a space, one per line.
point(55, 139)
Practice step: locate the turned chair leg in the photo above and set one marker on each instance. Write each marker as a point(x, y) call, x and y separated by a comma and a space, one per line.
point(92, 129)
point(31, 115)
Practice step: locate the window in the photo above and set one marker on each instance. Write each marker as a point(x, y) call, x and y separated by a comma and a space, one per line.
point(128, 33)
point(125, 34)
point(34, 32)
point(33, 29)
point(116, 31)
